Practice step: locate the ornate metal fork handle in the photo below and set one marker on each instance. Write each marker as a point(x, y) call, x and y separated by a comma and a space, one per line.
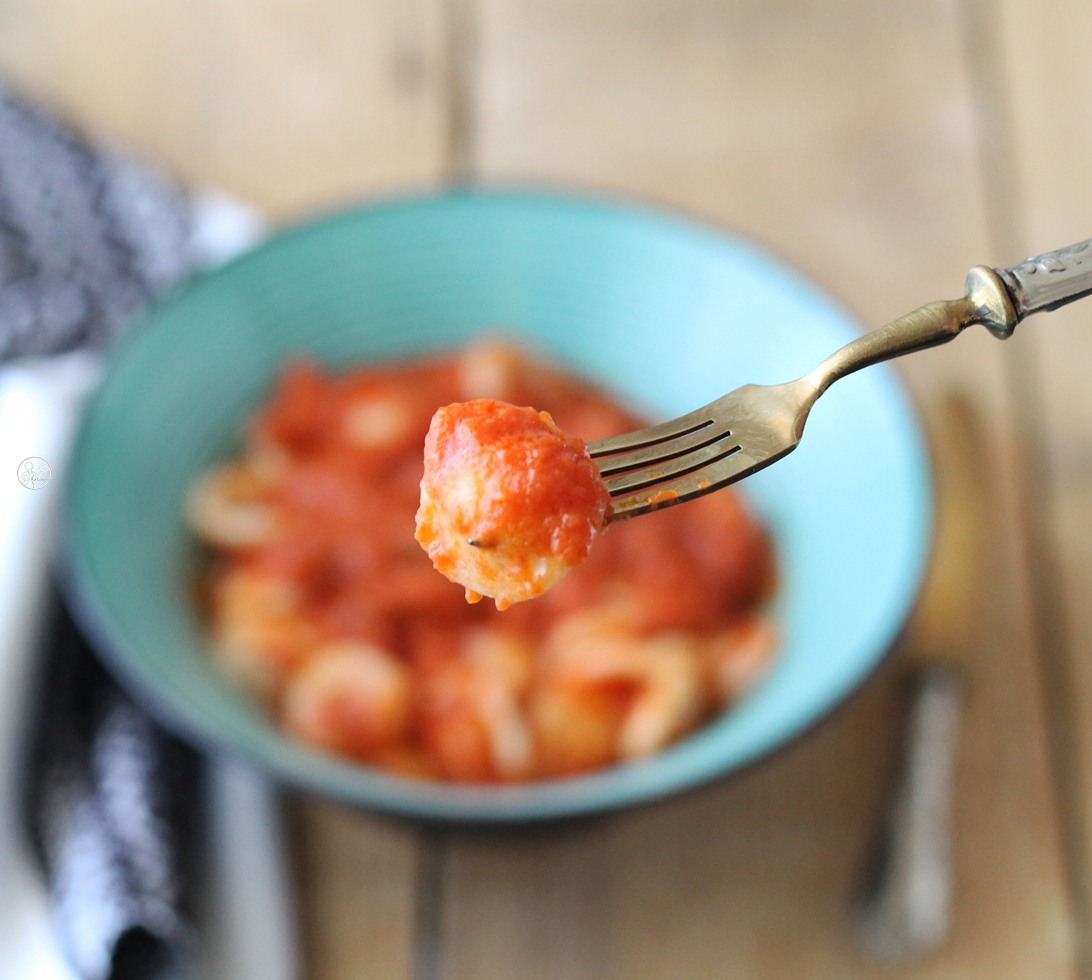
point(1051, 280)
point(997, 298)
point(756, 425)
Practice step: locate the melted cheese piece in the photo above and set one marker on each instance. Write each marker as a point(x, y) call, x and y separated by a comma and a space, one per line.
point(509, 502)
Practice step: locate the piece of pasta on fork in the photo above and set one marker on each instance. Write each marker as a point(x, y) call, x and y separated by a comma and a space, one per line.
point(509, 502)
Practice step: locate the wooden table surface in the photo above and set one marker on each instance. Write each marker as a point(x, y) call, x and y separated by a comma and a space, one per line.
point(883, 148)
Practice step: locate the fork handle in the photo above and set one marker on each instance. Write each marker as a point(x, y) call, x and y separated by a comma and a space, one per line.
point(1050, 280)
point(929, 326)
point(996, 298)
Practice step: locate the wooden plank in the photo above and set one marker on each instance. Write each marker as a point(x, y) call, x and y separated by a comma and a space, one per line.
point(827, 130)
point(358, 895)
point(1045, 88)
point(291, 105)
point(842, 135)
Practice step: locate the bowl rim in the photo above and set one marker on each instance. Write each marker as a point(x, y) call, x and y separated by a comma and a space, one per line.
point(353, 783)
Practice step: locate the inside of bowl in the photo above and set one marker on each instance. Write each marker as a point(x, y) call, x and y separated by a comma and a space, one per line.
point(665, 313)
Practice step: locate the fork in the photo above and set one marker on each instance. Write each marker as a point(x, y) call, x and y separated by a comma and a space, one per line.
point(754, 426)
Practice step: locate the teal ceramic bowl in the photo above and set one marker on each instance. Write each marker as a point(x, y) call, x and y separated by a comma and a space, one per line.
point(665, 312)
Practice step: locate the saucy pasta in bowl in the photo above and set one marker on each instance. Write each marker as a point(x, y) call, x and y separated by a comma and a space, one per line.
point(322, 605)
point(653, 314)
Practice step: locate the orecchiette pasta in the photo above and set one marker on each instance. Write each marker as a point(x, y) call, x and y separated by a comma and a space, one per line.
point(323, 605)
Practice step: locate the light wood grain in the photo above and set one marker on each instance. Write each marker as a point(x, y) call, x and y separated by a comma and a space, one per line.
point(290, 104)
point(1049, 101)
point(358, 894)
point(844, 136)
point(837, 132)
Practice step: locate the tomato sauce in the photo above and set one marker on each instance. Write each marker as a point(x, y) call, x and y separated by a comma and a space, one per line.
point(331, 613)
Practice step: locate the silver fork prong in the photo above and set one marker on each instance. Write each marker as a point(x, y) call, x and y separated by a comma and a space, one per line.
point(713, 432)
point(678, 491)
point(704, 480)
point(663, 470)
point(632, 441)
point(743, 432)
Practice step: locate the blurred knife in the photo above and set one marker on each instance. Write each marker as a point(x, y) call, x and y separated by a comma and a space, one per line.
point(903, 908)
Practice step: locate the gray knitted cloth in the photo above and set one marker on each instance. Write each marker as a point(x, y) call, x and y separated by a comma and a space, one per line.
point(112, 803)
point(86, 238)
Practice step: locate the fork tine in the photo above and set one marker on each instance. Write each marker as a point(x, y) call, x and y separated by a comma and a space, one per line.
point(704, 480)
point(661, 452)
point(726, 440)
point(663, 470)
point(685, 488)
point(684, 425)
